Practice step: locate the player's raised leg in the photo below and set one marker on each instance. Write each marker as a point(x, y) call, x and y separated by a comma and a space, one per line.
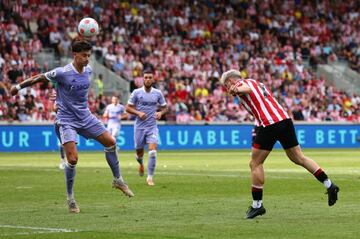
point(111, 157)
point(258, 157)
point(296, 155)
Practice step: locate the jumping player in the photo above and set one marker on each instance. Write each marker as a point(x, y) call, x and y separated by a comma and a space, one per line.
point(74, 117)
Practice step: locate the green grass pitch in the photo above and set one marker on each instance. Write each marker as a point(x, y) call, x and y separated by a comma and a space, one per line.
point(198, 194)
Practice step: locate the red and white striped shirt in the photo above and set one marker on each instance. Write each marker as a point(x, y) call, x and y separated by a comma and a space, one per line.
point(261, 103)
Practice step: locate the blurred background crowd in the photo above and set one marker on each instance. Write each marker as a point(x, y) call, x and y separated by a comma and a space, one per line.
point(189, 44)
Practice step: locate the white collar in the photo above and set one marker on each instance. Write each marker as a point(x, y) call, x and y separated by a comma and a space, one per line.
point(72, 66)
point(143, 88)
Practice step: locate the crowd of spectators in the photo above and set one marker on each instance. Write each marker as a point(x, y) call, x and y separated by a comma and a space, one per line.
point(189, 44)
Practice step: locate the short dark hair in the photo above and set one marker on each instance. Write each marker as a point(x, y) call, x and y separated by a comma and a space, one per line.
point(81, 45)
point(148, 71)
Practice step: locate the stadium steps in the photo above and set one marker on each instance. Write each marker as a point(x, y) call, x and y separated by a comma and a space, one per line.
point(341, 76)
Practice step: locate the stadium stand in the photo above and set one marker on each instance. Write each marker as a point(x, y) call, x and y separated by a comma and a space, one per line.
point(189, 44)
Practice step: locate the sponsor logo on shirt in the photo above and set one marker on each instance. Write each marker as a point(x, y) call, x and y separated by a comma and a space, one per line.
point(148, 103)
point(78, 87)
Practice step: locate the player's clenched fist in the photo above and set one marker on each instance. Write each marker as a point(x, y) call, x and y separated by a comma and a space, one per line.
point(142, 115)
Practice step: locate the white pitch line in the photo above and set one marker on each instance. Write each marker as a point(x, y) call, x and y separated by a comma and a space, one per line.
point(23, 187)
point(222, 175)
point(39, 228)
point(242, 175)
point(285, 170)
point(279, 153)
point(28, 233)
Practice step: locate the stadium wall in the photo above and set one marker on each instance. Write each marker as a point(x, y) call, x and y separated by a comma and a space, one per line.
point(40, 137)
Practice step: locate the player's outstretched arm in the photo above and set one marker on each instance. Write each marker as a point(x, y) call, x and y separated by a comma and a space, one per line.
point(28, 82)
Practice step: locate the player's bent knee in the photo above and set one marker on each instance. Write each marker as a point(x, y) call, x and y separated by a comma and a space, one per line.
point(72, 157)
point(152, 153)
point(112, 141)
point(110, 149)
point(72, 161)
point(253, 164)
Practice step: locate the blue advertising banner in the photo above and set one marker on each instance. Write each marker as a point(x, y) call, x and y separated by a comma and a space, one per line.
point(28, 138)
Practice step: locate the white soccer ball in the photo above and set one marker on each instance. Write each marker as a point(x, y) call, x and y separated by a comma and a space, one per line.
point(88, 27)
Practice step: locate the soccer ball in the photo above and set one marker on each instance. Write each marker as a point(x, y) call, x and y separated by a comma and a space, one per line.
point(88, 27)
